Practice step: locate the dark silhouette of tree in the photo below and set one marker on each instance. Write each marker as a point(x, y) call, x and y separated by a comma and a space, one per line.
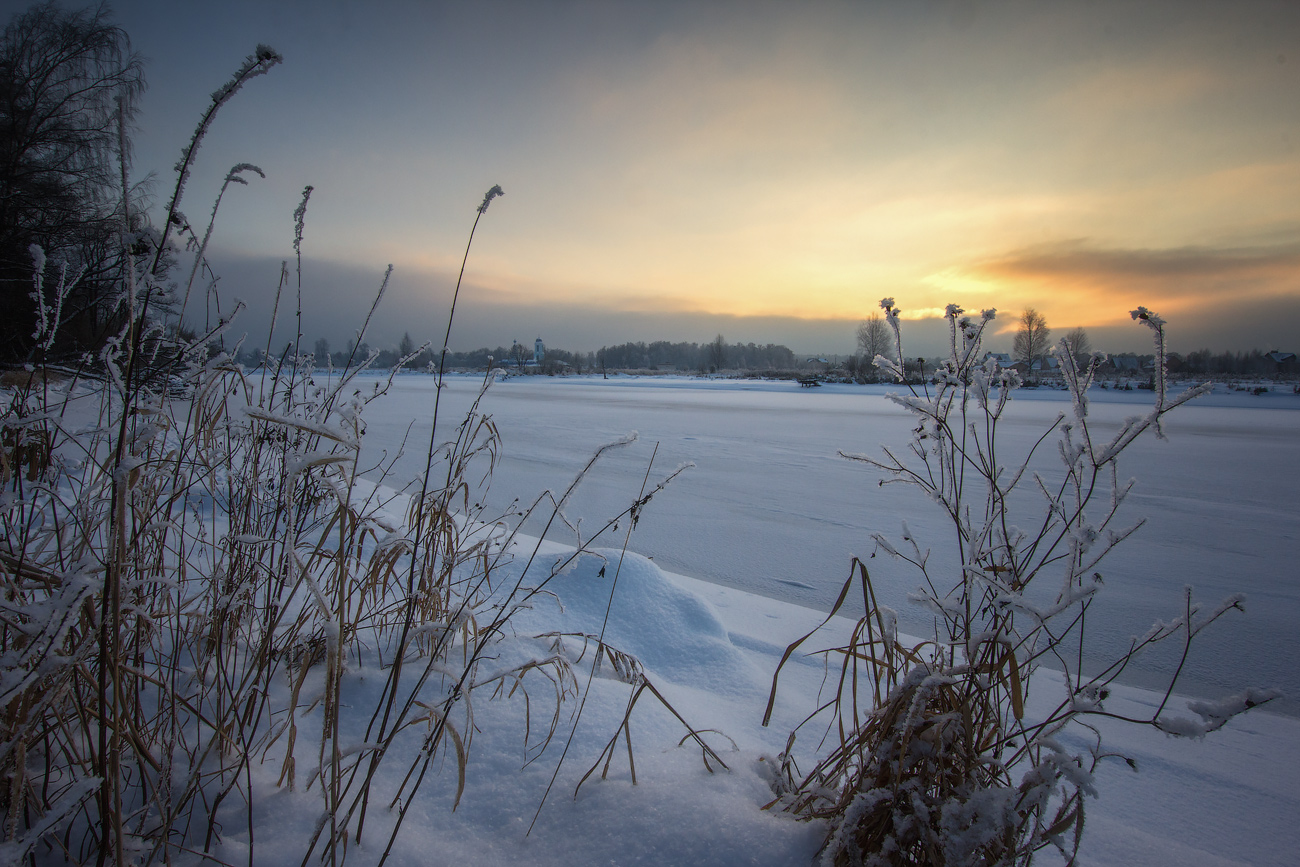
point(518, 354)
point(1079, 346)
point(69, 85)
point(718, 353)
point(1032, 337)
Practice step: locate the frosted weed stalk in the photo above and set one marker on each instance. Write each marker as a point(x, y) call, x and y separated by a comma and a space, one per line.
point(934, 758)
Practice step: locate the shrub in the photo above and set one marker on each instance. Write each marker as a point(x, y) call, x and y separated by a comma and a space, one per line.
point(936, 759)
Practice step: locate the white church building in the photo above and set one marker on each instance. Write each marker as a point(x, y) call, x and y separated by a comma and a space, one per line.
point(539, 353)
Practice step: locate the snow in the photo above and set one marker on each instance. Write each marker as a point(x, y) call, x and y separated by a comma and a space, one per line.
point(1229, 798)
point(771, 507)
point(769, 519)
point(744, 553)
point(671, 631)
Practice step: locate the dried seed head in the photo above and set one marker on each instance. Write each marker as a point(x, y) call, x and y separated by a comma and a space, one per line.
point(491, 194)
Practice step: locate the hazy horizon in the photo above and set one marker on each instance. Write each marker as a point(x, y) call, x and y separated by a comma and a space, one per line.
point(343, 295)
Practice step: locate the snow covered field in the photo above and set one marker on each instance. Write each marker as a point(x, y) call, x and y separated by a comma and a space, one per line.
point(749, 547)
point(768, 519)
point(772, 509)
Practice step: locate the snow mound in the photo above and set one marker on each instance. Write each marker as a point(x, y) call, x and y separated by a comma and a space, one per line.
point(675, 634)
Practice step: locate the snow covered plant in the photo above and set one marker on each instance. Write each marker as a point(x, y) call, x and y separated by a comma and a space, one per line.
point(202, 600)
point(196, 584)
point(939, 759)
point(249, 613)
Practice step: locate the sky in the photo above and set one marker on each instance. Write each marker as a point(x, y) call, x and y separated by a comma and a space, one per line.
point(764, 171)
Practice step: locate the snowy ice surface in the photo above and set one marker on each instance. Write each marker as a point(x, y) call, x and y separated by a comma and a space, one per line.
point(771, 508)
point(768, 521)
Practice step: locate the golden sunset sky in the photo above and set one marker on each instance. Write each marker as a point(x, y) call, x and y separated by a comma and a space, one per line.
point(764, 170)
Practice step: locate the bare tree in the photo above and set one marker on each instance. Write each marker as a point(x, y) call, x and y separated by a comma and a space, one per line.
point(1032, 337)
point(69, 84)
point(1078, 345)
point(874, 338)
point(518, 354)
point(718, 353)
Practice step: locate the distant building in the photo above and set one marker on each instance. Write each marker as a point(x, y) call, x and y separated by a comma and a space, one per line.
point(1126, 363)
point(1285, 361)
point(519, 355)
point(1002, 358)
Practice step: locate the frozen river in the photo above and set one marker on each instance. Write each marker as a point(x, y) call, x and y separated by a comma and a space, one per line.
point(771, 508)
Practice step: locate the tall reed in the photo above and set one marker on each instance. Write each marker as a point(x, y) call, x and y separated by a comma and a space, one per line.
point(191, 560)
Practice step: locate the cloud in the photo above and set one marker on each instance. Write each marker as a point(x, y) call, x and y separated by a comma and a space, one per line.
point(674, 170)
point(1190, 271)
point(1230, 296)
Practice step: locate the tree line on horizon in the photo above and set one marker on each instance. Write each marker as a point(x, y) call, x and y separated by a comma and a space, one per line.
point(873, 338)
point(658, 355)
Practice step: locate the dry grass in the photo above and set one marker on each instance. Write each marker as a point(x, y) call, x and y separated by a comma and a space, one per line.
point(190, 563)
point(185, 583)
point(910, 742)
